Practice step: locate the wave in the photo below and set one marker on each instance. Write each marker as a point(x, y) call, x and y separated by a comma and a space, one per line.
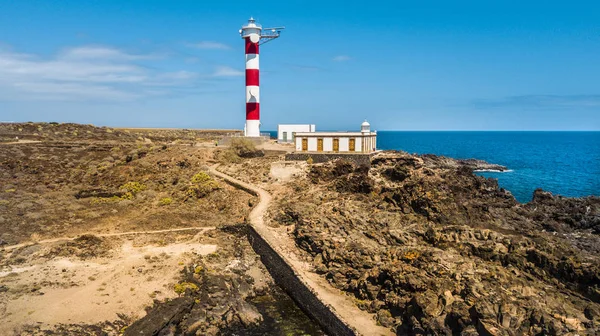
point(493, 171)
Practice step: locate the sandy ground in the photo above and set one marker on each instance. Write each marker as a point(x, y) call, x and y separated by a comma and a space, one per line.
point(49, 276)
point(273, 145)
point(73, 290)
point(284, 171)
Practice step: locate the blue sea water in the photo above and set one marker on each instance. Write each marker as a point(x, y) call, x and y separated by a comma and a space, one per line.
point(564, 163)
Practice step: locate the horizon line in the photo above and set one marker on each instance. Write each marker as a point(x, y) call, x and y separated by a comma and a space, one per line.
point(488, 130)
point(275, 130)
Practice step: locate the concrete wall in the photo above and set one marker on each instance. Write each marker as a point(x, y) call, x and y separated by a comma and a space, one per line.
point(358, 145)
point(290, 129)
point(312, 144)
point(328, 144)
point(344, 144)
point(226, 140)
point(287, 279)
point(358, 158)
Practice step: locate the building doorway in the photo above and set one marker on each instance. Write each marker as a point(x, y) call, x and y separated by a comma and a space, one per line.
point(304, 145)
point(320, 145)
point(284, 136)
point(352, 145)
point(336, 145)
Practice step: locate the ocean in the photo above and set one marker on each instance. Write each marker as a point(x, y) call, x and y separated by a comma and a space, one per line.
point(564, 163)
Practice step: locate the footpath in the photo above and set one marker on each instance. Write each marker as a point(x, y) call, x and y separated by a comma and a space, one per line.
point(340, 304)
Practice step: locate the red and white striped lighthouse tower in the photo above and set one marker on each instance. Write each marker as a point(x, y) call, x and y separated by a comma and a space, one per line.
point(253, 34)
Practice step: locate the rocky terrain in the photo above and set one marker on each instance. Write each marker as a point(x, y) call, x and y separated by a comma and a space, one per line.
point(53, 131)
point(433, 249)
point(57, 187)
point(103, 227)
point(125, 231)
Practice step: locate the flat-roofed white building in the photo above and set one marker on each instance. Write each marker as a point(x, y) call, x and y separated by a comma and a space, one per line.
point(364, 141)
point(285, 132)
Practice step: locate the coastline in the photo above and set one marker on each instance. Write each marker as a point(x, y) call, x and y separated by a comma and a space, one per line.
point(565, 163)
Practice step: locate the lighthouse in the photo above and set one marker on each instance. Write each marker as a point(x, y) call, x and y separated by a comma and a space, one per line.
point(254, 35)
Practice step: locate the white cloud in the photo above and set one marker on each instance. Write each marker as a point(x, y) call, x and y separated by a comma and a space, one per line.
point(225, 71)
point(61, 91)
point(209, 45)
point(341, 58)
point(94, 73)
point(76, 74)
point(102, 53)
point(179, 75)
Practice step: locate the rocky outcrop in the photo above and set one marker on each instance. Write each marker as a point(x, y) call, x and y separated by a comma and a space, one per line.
point(159, 319)
point(432, 248)
point(560, 214)
point(472, 164)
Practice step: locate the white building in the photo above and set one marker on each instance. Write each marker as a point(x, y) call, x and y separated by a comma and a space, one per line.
point(286, 132)
point(364, 141)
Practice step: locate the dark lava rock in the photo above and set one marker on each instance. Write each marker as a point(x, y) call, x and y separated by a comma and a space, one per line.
point(343, 176)
point(433, 249)
point(161, 317)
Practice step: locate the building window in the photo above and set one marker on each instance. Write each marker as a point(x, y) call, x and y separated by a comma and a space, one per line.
point(352, 145)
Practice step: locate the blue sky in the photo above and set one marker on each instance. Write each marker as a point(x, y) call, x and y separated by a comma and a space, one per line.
point(418, 65)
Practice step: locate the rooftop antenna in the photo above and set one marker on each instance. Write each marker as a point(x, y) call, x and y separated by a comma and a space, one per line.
point(257, 34)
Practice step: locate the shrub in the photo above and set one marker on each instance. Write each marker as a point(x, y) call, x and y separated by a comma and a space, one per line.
point(202, 185)
point(201, 177)
point(239, 148)
point(180, 288)
point(227, 156)
point(165, 201)
point(242, 147)
point(202, 190)
point(133, 187)
point(309, 160)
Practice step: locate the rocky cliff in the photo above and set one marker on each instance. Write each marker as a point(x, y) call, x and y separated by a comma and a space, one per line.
point(432, 248)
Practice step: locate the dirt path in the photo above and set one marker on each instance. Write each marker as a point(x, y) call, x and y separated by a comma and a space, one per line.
point(363, 322)
point(115, 234)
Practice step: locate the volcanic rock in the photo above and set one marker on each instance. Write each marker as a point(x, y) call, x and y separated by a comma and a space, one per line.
point(432, 248)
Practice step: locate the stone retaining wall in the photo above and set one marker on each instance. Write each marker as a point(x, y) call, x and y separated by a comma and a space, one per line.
point(304, 297)
point(358, 159)
point(239, 186)
point(226, 140)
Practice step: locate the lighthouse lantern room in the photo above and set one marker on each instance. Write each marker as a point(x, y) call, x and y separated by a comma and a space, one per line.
point(254, 35)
